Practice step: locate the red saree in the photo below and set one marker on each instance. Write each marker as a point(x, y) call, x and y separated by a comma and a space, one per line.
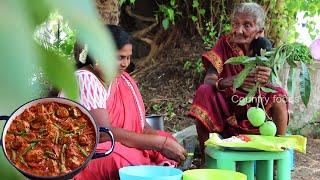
point(218, 110)
point(126, 110)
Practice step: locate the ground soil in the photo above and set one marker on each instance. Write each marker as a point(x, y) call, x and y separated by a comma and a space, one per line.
point(168, 84)
point(307, 166)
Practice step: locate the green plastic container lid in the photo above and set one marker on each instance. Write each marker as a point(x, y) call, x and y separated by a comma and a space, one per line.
point(212, 174)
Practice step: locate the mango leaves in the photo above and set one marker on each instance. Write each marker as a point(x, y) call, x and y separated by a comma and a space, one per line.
point(287, 53)
point(268, 90)
point(291, 82)
point(305, 84)
point(236, 60)
point(238, 81)
point(20, 55)
point(249, 97)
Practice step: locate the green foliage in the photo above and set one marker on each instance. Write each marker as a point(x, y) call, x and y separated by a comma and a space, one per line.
point(283, 15)
point(199, 66)
point(164, 108)
point(168, 13)
point(196, 15)
point(236, 60)
point(52, 61)
point(90, 31)
point(210, 39)
point(293, 53)
point(187, 65)
point(268, 90)
point(195, 66)
point(170, 110)
point(122, 2)
point(212, 18)
point(291, 82)
point(249, 97)
point(238, 81)
point(305, 84)
point(56, 35)
point(156, 107)
point(21, 54)
point(290, 53)
point(141, 89)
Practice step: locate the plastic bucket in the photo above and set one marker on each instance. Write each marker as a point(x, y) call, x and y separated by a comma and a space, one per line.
point(213, 174)
point(146, 172)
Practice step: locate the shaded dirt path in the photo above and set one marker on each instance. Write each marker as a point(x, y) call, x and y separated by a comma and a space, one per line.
point(307, 166)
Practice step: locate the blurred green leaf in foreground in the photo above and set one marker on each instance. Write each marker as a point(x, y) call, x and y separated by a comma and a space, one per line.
point(21, 55)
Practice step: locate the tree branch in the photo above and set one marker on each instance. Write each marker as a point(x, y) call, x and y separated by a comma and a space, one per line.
point(142, 32)
point(142, 18)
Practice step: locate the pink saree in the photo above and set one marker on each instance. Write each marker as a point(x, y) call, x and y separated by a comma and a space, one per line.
point(218, 110)
point(126, 110)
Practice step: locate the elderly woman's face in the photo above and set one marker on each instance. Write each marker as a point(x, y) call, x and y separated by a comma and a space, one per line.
point(244, 29)
point(124, 57)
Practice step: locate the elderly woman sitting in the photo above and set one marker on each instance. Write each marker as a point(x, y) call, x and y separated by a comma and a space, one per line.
point(215, 103)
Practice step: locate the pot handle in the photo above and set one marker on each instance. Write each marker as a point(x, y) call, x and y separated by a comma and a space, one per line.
point(99, 155)
point(5, 118)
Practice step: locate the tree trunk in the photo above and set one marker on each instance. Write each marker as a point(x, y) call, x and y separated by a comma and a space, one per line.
point(277, 25)
point(109, 11)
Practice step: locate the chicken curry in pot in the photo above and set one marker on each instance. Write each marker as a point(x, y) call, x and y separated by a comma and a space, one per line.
point(50, 139)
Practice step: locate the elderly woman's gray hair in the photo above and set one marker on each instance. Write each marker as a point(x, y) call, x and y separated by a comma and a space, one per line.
point(253, 9)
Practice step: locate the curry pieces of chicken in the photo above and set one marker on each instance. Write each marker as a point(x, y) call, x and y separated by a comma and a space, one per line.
point(50, 139)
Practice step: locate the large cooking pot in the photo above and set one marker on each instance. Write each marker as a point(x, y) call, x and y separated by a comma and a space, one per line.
point(93, 154)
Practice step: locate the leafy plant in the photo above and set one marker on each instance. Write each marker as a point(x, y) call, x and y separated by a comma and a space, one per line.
point(283, 16)
point(290, 53)
point(187, 65)
point(210, 37)
point(141, 89)
point(196, 67)
point(170, 110)
point(121, 2)
point(168, 13)
point(20, 53)
point(199, 66)
point(156, 107)
point(55, 34)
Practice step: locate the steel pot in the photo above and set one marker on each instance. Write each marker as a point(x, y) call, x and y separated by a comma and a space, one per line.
point(93, 154)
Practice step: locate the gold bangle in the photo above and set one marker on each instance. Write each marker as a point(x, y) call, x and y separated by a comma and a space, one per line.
point(217, 85)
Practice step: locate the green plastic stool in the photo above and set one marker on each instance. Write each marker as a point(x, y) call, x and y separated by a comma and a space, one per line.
point(244, 160)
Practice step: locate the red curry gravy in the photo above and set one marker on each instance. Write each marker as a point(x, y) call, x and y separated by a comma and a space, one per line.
point(50, 139)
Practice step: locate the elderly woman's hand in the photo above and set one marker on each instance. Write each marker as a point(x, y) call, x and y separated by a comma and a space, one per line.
point(173, 150)
point(249, 82)
point(262, 74)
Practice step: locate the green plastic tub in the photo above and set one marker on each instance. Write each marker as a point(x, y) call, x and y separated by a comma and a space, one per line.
point(212, 174)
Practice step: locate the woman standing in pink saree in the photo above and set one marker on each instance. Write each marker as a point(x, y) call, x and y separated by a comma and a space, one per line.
point(215, 103)
point(120, 107)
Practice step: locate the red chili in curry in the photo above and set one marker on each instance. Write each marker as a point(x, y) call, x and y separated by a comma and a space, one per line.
point(50, 139)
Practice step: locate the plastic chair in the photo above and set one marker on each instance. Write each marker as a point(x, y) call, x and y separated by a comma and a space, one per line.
point(244, 160)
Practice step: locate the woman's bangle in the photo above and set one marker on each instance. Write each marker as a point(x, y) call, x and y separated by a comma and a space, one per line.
point(217, 85)
point(163, 144)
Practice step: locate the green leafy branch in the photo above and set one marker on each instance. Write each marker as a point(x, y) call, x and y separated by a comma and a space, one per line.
point(286, 53)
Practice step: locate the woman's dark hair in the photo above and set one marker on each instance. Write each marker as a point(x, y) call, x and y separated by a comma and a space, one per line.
point(119, 35)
